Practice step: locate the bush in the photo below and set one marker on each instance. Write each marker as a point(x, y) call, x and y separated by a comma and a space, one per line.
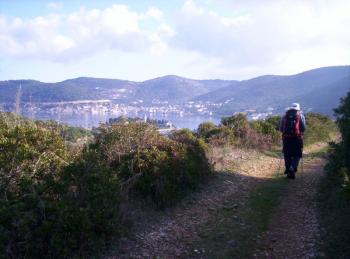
point(268, 132)
point(253, 134)
point(206, 130)
point(319, 128)
point(334, 205)
point(216, 135)
point(51, 206)
point(68, 133)
point(149, 164)
point(89, 214)
point(275, 121)
point(343, 122)
point(238, 124)
point(195, 166)
point(335, 190)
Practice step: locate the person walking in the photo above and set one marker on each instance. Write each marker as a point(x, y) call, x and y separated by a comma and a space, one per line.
point(292, 126)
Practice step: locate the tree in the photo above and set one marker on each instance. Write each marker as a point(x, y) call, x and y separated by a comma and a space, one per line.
point(238, 123)
point(206, 129)
point(343, 120)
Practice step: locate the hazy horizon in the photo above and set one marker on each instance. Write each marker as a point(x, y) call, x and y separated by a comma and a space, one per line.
point(125, 79)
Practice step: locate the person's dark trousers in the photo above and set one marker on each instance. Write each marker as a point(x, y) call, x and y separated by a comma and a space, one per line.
point(291, 161)
point(293, 151)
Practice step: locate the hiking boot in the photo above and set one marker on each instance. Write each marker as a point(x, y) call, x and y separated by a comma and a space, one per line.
point(291, 173)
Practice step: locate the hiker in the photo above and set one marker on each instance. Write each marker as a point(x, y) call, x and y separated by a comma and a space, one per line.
point(292, 126)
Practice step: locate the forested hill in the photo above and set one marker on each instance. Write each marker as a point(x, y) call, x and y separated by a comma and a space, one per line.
point(317, 90)
point(167, 88)
point(81, 88)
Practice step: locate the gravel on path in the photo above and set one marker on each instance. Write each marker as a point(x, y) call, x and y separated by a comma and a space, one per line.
point(294, 230)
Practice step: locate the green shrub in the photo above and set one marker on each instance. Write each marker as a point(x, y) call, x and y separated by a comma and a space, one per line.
point(216, 135)
point(319, 128)
point(334, 199)
point(251, 134)
point(68, 133)
point(343, 122)
point(155, 167)
point(195, 165)
point(275, 121)
point(267, 130)
point(238, 124)
point(238, 131)
point(334, 206)
point(51, 206)
point(89, 214)
point(206, 130)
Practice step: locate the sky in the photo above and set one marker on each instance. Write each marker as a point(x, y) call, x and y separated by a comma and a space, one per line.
point(138, 40)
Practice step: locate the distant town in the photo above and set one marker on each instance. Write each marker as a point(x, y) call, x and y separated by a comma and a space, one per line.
point(113, 109)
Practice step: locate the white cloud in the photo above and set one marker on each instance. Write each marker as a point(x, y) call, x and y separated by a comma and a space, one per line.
point(159, 39)
point(230, 39)
point(55, 5)
point(266, 35)
point(81, 33)
point(154, 13)
point(36, 37)
point(191, 8)
point(207, 32)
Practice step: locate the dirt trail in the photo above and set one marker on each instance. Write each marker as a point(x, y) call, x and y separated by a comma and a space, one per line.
point(172, 233)
point(294, 230)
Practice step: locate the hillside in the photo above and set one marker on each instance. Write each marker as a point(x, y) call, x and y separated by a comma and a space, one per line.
point(175, 89)
point(318, 89)
point(81, 88)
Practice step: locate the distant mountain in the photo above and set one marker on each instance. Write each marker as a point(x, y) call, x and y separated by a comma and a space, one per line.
point(326, 100)
point(175, 89)
point(69, 90)
point(317, 89)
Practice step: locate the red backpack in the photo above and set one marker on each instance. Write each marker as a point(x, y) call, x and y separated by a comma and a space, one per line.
point(291, 124)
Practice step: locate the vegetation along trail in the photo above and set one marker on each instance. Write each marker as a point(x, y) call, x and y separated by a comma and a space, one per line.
point(248, 210)
point(133, 193)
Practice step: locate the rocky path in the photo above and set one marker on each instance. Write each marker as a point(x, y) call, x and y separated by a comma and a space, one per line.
point(294, 230)
point(173, 233)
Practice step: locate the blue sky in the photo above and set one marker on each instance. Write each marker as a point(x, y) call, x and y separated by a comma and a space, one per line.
point(138, 40)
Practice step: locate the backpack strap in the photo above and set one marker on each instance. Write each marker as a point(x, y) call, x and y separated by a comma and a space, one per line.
point(297, 125)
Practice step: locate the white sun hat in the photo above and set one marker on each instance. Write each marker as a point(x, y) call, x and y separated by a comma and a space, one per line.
point(295, 106)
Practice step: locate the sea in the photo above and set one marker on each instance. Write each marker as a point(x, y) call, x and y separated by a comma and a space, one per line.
point(90, 120)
